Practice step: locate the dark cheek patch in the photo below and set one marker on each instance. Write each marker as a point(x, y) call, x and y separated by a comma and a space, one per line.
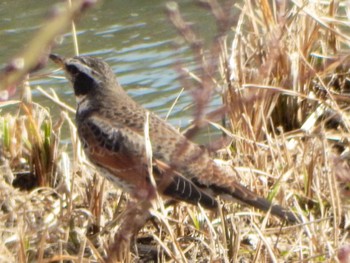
point(73, 70)
point(83, 84)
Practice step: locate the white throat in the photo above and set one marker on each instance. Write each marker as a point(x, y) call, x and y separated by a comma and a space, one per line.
point(80, 98)
point(83, 103)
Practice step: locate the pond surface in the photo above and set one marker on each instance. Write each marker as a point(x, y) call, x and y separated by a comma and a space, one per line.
point(135, 37)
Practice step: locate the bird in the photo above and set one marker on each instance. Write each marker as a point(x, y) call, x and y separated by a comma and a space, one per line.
point(111, 128)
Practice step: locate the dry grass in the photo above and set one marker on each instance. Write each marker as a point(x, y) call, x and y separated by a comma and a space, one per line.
point(285, 89)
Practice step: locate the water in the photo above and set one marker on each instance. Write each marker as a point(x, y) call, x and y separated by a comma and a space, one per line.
point(135, 37)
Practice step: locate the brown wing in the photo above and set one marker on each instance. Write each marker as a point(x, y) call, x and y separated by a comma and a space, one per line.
point(119, 152)
point(174, 185)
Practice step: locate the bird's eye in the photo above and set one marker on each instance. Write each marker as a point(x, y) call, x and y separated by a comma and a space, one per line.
point(72, 69)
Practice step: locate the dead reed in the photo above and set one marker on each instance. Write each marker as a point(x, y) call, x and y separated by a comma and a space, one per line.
point(281, 68)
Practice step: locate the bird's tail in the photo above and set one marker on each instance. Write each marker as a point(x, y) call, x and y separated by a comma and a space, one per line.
point(247, 197)
point(225, 184)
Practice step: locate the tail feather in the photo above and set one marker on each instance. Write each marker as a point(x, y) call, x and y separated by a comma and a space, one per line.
point(249, 198)
point(191, 192)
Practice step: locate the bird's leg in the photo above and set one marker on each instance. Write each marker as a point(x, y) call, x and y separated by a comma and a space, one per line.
point(135, 216)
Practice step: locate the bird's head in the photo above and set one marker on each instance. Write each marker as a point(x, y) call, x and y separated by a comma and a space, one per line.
point(88, 75)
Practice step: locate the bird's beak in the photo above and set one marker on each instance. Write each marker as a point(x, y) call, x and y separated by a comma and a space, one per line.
point(57, 59)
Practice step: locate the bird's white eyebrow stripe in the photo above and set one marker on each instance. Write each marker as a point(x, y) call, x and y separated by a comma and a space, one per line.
point(95, 75)
point(81, 67)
